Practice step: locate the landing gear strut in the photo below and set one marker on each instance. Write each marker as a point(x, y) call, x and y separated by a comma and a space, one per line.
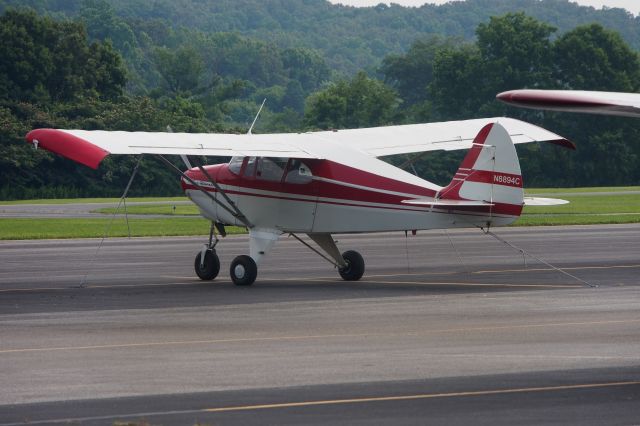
point(350, 264)
point(207, 263)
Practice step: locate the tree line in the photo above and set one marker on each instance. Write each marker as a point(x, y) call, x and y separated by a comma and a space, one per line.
point(54, 74)
point(349, 38)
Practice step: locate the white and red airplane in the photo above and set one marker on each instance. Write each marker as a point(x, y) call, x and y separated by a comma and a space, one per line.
point(592, 102)
point(329, 182)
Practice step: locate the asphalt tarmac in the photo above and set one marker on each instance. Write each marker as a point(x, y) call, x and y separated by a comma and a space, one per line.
point(442, 329)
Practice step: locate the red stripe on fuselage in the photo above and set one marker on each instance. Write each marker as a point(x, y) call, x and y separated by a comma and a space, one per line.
point(375, 188)
point(341, 192)
point(497, 209)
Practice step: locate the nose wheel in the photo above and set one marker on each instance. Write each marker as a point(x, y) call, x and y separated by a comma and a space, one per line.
point(209, 267)
point(207, 263)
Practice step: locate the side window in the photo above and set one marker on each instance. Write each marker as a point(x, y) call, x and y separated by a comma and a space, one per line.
point(271, 169)
point(235, 165)
point(298, 172)
point(250, 168)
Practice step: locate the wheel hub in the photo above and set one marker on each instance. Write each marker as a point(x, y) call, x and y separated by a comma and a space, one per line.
point(239, 271)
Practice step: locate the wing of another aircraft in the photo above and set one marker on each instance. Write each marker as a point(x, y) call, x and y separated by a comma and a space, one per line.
point(90, 147)
point(609, 103)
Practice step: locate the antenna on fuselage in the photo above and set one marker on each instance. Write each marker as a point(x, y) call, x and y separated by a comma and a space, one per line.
point(257, 115)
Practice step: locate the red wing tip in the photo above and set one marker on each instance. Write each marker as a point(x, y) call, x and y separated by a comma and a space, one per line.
point(68, 146)
point(565, 143)
point(505, 96)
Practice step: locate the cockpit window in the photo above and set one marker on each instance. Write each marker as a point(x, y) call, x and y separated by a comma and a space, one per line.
point(235, 165)
point(271, 168)
point(250, 168)
point(298, 172)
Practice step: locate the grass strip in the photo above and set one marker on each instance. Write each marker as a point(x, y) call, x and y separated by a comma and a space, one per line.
point(30, 229)
point(155, 209)
point(588, 206)
point(540, 191)
point(557, 220)
point(579, 204)
point(91, 200)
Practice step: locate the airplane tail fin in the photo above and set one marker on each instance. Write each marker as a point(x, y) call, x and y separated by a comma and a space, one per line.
point(489, 173)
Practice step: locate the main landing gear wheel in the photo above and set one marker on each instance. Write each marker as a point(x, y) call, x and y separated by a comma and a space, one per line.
point(243, 270)
point(208, 269)
point(355, 266)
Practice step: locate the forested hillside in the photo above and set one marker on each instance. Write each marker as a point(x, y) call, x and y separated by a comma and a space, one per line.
point(349, 38)
point(202, 66)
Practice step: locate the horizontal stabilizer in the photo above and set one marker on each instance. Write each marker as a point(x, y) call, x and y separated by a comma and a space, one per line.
point(536, 201)
point(446, 203)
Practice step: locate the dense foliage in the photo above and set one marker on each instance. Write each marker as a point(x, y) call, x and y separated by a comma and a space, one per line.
point(349, 38)
point(203, 66)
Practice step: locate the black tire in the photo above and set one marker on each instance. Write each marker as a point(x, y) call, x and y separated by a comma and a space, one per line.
point(355, 266)
point(209, 270)
point(243, 270)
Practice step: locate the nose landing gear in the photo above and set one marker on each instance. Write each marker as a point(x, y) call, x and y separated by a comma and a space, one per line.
point(207, 268)
point(207, 263)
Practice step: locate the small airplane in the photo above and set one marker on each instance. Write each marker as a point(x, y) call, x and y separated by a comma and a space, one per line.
point(328, 182)
point(592, 102)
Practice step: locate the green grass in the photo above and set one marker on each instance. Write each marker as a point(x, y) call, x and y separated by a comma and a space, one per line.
point(30, 229)
point(555, 220)
point(541, 191)
point(586, 207)
point(91, 200)
point(164, 209)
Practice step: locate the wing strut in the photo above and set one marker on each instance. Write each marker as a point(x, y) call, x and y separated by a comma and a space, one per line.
point(235, 213)
point(238, 214)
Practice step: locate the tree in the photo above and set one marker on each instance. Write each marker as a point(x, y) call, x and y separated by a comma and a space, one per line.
point(412, 72)
point(516, 50)
point(181, 69)
point(360, 102)
point(306, 67)
point(593, 58)
point(42, 60)
point(457, 86)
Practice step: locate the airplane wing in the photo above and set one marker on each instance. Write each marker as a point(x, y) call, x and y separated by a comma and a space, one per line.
point(447, 136)
point(609, 103)
point(90, 147)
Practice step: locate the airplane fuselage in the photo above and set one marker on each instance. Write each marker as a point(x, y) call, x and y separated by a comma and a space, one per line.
point(322, 196)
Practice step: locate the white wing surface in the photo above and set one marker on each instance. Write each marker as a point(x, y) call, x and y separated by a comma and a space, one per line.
point(90, 147)
point(447, 136)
